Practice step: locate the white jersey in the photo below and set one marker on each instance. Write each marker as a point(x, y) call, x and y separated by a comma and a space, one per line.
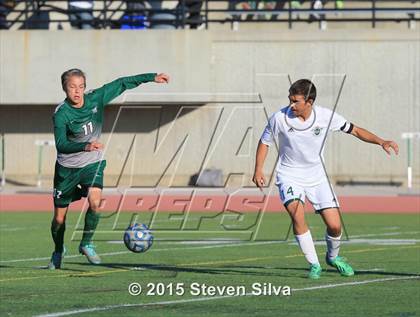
point(301, 143)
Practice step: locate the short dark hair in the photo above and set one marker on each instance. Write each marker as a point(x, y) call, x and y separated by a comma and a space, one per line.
point(71, 72)
point(305, 88)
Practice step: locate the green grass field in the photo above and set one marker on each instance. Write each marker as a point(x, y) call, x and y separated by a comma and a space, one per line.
point(384, 251)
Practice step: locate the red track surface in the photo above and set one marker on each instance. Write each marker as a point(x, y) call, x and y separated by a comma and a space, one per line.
point(133, 203)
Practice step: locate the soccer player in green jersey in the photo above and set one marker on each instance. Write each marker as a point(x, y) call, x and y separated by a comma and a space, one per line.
point(80, 165)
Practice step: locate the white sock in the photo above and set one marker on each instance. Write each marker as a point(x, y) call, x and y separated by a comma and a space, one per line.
point(333, 246)
point(307, 246)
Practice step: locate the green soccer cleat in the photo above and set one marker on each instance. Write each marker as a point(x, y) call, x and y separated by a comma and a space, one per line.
point(341, 265)
point(89, 251)
point(315, 271)
point(56, 260)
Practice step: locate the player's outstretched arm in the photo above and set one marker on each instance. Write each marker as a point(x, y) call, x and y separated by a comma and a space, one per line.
point(112, 90)
point(258, 177)
point(369, 137)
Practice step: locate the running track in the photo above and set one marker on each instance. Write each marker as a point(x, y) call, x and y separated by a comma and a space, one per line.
point(211, 202)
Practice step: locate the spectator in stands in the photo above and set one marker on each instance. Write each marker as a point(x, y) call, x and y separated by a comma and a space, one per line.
point(232, 7)
point(279, 5)
point(265, 5)
point(161, 18)
point(81, 14)
point(135, 16)
point(319, 5)
point(245, 5)
point(138, 15)
point(339, 4)
point(316, 5)
point(136, 6)
point(192, 12)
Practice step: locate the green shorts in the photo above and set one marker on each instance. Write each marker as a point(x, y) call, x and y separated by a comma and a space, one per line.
point(71, 184)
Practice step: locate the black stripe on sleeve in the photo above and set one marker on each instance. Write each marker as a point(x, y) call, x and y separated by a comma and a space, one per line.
point(347, 127)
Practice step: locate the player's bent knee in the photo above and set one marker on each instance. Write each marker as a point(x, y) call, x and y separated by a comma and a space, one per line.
point(334, 231)
point(94, 205)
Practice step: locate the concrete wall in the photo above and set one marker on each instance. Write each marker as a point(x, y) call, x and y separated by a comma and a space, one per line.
point(380, 92)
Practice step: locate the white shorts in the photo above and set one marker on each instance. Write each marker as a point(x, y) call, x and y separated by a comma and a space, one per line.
point(321, 196)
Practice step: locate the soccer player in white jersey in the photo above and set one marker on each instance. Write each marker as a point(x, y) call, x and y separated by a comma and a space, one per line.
point(300, 129)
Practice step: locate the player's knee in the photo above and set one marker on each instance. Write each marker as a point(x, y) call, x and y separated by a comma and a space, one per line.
point(94, 204)
point(59, 219)
point(334, 230)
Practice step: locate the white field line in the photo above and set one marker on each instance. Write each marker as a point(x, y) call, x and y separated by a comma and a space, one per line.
point(238, 244)
point(375, 269)
point(383, 234)
point(190, 242)
point(372, 242)
point(13, 229)
point(202, 299)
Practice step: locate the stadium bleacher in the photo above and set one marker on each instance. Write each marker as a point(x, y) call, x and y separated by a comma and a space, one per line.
point(54, 15)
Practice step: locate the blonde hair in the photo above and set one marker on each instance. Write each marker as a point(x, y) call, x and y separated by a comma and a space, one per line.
point(69, 73)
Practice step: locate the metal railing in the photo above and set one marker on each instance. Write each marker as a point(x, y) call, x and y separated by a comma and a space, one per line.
point(132, 14)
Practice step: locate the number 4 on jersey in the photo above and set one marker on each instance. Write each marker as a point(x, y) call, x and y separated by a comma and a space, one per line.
point(290, 191)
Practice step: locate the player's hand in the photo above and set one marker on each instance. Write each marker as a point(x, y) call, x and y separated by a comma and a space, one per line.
point(94, 146)
point(259, 179)
point(162, 78)
point(388, 145)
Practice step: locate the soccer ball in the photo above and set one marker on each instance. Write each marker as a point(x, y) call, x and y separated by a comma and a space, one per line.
point(138, 238)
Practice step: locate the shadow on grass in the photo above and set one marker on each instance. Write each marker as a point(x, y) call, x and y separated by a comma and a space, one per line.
point(332, 270)
point(223, 270)
point(248, 270)
point(43, 267)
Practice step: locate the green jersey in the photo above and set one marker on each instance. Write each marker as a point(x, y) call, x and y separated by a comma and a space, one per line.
point(74, 127)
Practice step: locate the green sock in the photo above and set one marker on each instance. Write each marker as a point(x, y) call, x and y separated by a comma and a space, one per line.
point(57, 233)
point(91, 222)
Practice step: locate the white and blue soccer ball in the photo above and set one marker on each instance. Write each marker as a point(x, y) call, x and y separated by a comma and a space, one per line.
point(138, 238)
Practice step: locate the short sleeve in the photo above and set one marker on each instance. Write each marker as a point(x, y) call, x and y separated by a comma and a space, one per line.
point(270, 131)
point(338, 123)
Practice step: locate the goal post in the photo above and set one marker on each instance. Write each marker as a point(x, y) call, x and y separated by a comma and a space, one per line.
point(3, 161)
point(40, 144)
point(409, 137)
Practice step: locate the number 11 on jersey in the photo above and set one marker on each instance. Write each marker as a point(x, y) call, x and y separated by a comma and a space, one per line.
point(88, 128)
